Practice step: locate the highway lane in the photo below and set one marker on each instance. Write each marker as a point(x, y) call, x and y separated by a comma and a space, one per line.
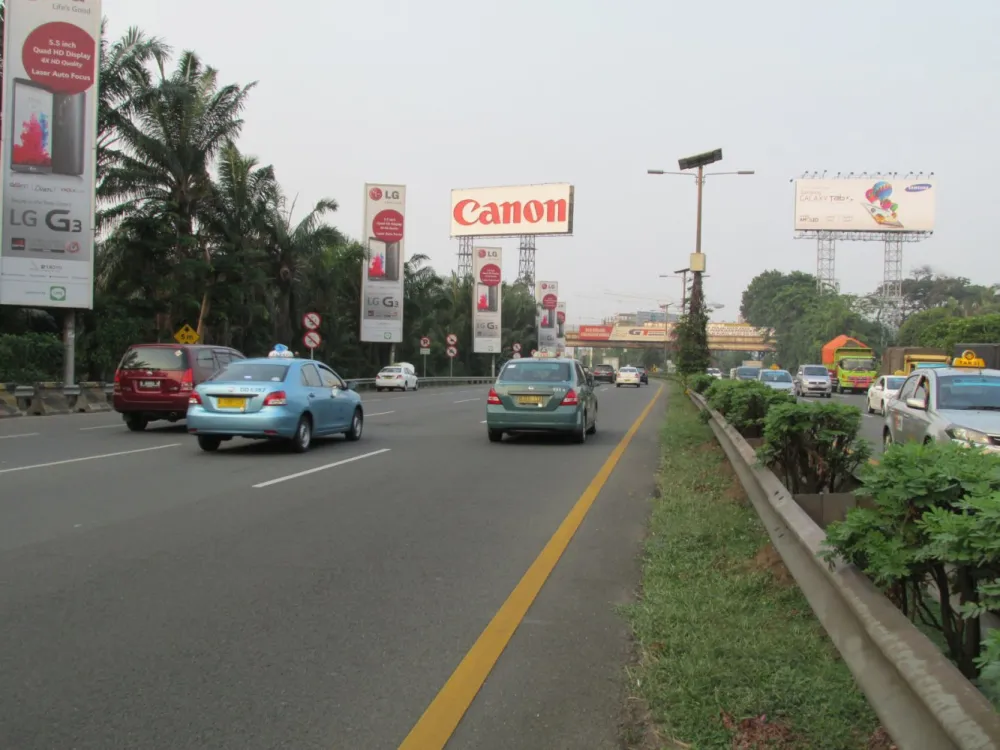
point(172, 598)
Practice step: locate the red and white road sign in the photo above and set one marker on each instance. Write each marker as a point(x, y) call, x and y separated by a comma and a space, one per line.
point(452, 352)
point(516, 347)
point(452, 339)
point(517, 355)
point(425, 342)
point(534, 352)
point(312, 340)
point(311, 321)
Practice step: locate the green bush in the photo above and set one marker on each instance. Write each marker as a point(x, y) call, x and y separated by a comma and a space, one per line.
point(813, 448)
point(700, 383)
point(935, 524)
point(30, 357)
point(745, 403)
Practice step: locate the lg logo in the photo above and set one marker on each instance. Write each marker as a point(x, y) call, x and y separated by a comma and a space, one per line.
point(57, 220)
point(488, 253)
point(377, 194)
point(382, 302)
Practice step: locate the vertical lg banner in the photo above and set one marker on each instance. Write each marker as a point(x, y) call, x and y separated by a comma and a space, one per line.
point(50, 60)
point(382, 275)
point(547, 300)
point(487, 273)
point(560, 327)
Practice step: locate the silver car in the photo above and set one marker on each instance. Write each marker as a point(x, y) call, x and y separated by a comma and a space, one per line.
point(949, 403)
point(778, 380)
point(813, 380)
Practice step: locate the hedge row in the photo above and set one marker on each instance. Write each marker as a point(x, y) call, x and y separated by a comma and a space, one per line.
point(930, 540)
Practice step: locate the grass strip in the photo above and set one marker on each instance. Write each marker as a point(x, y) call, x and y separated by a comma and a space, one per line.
point(731, 655)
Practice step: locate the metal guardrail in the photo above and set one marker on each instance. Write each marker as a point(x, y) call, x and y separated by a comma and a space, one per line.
point(368, 384)
point(920, 697)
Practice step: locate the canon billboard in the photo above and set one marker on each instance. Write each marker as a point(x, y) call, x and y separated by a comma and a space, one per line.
point(512, 210)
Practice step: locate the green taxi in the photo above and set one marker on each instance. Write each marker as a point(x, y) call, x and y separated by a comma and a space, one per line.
point(551, 394)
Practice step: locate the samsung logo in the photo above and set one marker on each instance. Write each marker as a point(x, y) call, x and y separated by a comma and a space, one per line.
point(919, 187)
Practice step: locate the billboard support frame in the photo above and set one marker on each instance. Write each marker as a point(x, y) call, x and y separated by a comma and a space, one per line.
point(891, 293)
point(465, 256)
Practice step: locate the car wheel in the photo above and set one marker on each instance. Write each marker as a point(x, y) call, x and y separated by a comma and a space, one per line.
point(886, 440)
point(209, 443)
point(580, 434)
point(303, 435)
point(618, 385)
point(377, 389)
point(495, 436)
point(357, 425)
point(136, 422)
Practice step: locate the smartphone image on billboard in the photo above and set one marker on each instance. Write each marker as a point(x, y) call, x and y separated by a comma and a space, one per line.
point(68, 120)
point(31, 128)
point(376, 260)
point(549, 321)
point(392, 261)
point(486, 298)
point(493, 295)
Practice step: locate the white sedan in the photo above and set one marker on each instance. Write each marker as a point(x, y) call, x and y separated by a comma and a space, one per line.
point(628, 376)
point(396, 377)
point(883, 390)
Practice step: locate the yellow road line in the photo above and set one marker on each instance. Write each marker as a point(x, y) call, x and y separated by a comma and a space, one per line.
point(433, 730)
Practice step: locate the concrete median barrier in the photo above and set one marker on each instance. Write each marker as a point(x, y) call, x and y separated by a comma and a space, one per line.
point(51, 399)
point(93, 398)
point(9, 406)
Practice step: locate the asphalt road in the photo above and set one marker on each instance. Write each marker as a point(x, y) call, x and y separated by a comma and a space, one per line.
point(871, 424)
point(151, 596)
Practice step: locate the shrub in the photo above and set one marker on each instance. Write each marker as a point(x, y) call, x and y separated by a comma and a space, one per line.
point(813, 448)
point(935, 523)
point(745, 403)
point(30, 357)
point(700, 383)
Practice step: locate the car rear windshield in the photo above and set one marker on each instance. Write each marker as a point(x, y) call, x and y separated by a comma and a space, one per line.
point(629, 369)
point(154, 358)
point(603, 367)
point(254, 372)
point(389, 369)
point(536, 372)
point(817, 371)
point(747, 372)
point(775, 376)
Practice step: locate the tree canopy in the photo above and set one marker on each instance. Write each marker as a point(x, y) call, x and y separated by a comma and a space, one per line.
point(194, 231)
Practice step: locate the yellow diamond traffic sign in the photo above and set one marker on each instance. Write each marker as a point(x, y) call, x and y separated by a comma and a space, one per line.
point(186, 335)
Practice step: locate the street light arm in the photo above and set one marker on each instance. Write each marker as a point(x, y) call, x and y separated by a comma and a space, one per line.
point(739, 171)
point(663, 171)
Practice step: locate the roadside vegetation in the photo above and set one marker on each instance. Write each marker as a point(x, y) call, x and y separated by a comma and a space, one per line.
point(730, 654)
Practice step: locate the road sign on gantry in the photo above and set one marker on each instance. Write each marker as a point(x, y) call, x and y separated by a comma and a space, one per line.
point(452, 339)
point(312, 340)
point(311, 321)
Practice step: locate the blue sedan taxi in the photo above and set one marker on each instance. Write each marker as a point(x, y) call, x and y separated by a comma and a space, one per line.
point(277, 397)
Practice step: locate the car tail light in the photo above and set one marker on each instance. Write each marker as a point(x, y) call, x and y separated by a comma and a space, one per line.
point(570, 399)
point(187, 380)
point(118, 381)
point(195, 399)
point(278, 398)
point(493, 398)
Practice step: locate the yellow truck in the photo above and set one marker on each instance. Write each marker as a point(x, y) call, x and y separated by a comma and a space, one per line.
point(902, 360)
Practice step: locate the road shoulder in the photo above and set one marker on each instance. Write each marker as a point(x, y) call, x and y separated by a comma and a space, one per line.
point(560, 683)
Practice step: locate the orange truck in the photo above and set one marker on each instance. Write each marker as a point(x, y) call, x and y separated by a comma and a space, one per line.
point(851, 364)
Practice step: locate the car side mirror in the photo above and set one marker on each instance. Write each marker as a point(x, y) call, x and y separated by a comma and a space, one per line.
point(917, 403)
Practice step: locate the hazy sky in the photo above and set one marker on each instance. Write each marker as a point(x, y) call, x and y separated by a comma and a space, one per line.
point(441, 94)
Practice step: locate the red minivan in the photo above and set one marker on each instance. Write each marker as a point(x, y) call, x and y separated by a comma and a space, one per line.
point(154, 381)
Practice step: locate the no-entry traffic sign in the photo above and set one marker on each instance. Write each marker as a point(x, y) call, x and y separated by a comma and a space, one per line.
point(516, 347)
point(425, 342)
point(312, 340)
point(311, 321)
point(452, 339)
point(452, 352)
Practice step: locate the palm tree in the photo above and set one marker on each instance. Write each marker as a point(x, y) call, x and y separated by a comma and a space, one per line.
point(168, 143)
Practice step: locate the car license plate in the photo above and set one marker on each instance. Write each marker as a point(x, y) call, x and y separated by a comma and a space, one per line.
point(529, 400)
point(232, 403)
point(149, 383)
